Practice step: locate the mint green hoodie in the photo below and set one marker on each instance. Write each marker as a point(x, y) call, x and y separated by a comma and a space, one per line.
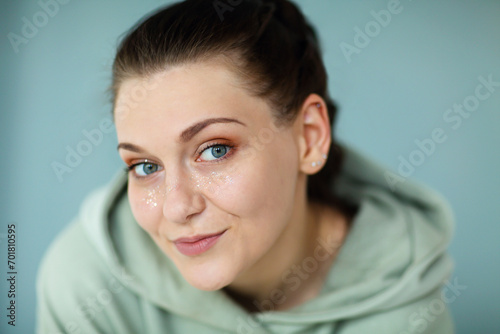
point(104, 274)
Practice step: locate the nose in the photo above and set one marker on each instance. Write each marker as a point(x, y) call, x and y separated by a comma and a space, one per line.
point(182, 201)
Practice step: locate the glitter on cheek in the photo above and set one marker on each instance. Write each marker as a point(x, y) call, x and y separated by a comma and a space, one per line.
point(151, 197)
point(212, 183)
point(156, 195)
point(221, 178)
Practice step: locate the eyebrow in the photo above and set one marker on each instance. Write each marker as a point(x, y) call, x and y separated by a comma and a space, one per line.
point(188, 133)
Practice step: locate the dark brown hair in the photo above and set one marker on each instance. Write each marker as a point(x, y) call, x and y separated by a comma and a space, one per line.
point(268, 43)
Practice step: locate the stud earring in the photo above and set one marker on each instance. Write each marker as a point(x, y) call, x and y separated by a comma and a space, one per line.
point(319, 162)
point(316, 163)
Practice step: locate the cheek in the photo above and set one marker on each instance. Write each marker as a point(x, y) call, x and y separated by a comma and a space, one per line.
point(146, 204)
point(213, 184)
point(261, 195)
point(259, 191)
point(268, 186)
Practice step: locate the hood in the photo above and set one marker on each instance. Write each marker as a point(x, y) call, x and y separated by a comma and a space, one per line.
point(394, 254)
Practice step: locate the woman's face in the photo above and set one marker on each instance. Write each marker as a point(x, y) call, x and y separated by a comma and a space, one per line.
point(205, 158)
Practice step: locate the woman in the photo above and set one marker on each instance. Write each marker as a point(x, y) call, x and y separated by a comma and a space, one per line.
point(238, 212)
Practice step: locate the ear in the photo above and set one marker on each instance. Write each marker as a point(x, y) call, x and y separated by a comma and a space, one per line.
point(314, 134)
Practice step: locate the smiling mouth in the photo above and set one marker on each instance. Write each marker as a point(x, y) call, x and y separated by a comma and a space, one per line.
point(198, 244)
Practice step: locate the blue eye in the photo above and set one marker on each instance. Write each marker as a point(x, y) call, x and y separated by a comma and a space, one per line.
point(215, 152)
point(144, 168)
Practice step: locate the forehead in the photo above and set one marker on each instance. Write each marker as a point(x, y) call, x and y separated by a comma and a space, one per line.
point(182, 95)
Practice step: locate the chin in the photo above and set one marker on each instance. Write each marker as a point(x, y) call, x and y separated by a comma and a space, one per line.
point(208, 287)
point(208, 280)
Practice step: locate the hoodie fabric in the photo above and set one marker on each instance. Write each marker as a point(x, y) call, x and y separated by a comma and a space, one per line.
point(104, 274)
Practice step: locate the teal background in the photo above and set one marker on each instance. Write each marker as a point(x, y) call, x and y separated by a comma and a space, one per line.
point(393, 92)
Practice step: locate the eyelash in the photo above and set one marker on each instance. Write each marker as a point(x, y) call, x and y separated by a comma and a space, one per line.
point(129, 169)
point(208, 146)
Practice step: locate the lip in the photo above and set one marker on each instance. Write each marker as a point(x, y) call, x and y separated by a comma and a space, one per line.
point(198, 244)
